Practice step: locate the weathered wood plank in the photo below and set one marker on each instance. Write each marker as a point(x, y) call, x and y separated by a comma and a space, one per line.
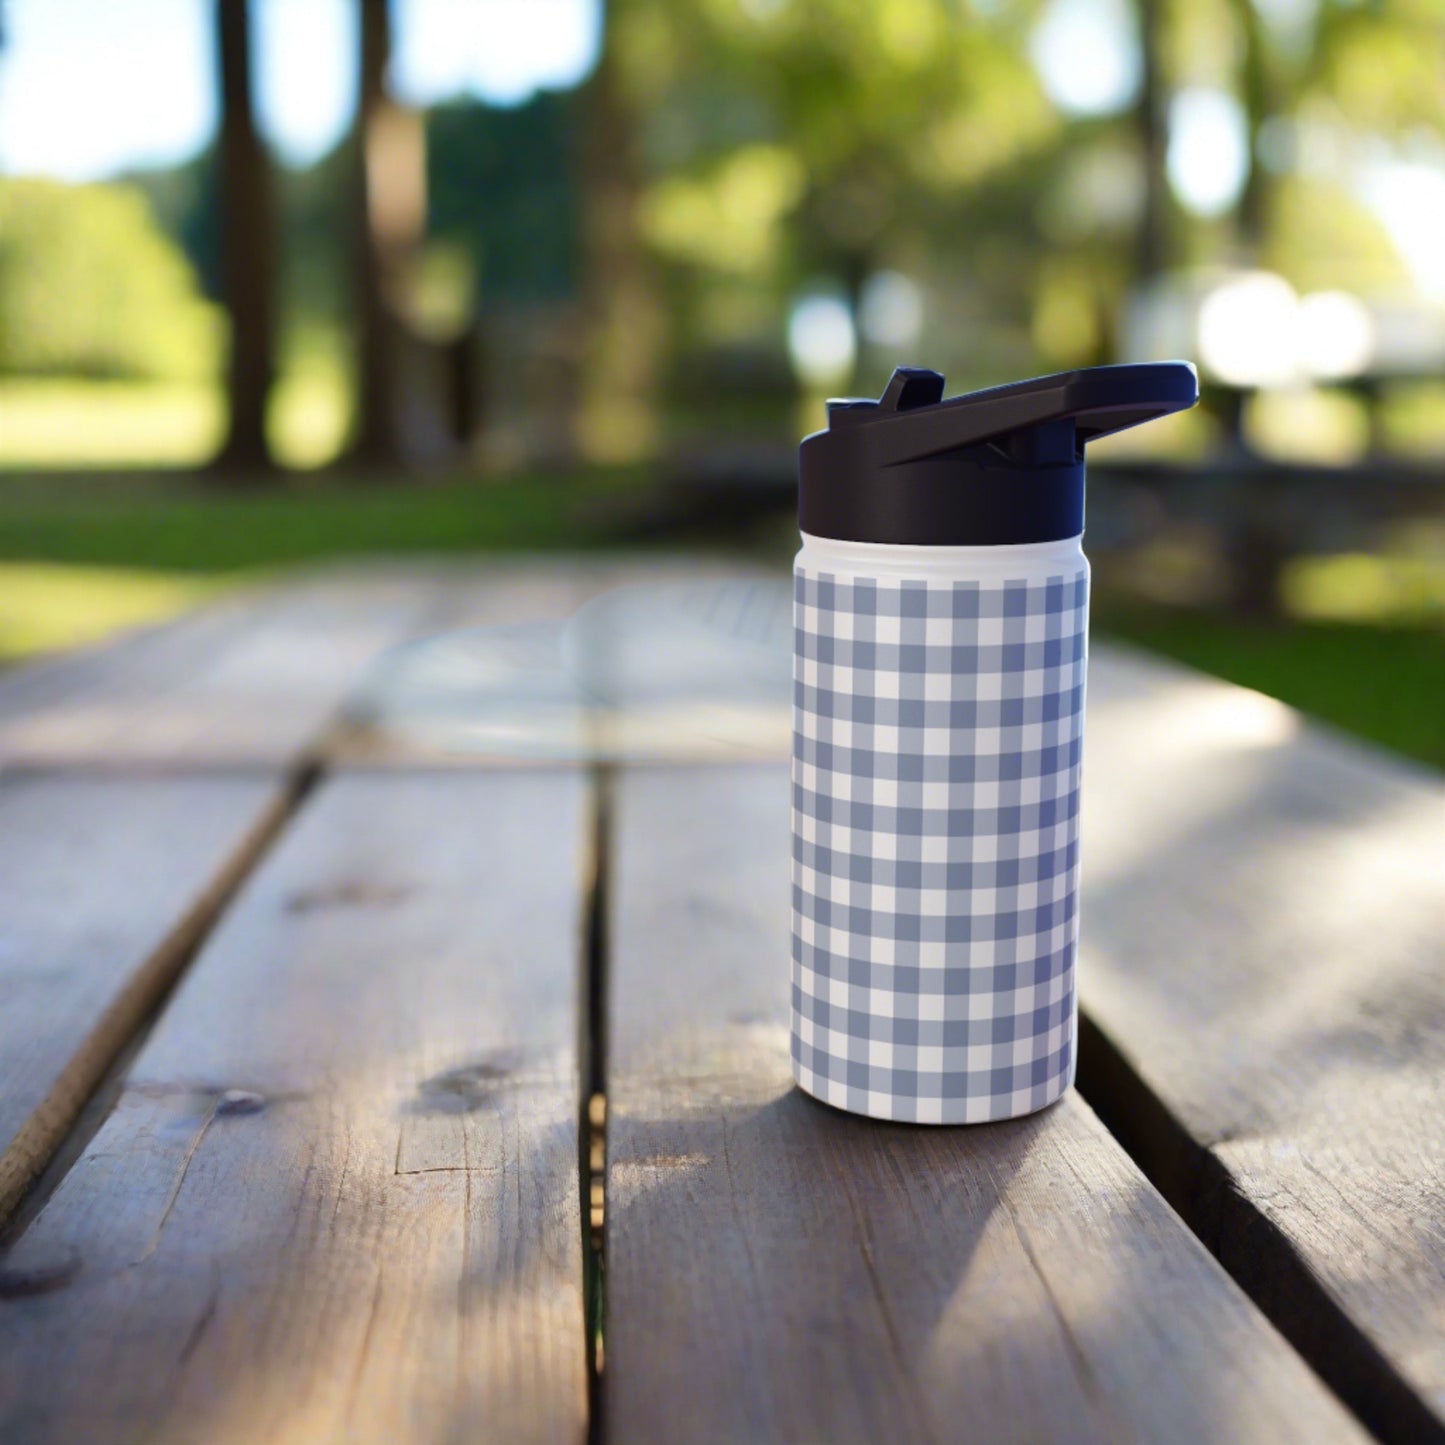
point(252, 682)
point(1263, 919)
point(338, 1199)
point(580, 682)
point(779, 1270)
point(384, 725)
point(54, 693)
point(103, 884)
point(262, 677)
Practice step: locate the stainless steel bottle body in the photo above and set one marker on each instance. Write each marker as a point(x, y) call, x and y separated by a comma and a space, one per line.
point(938, 713)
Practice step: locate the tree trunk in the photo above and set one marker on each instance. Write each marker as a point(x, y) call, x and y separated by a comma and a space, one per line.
point(390, 216)
point(1153, 243)
point(248, 239)
point(1257, 87)
point(624, 317)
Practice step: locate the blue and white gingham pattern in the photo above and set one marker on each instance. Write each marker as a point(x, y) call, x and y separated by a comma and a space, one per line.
point(937, 733)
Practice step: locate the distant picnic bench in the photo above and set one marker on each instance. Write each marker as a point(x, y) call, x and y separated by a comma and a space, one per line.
point(350, 1092)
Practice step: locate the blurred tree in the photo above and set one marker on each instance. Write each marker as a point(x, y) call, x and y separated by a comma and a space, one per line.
point(729, 155)
point(91, 286)
point(248, 239)
point(1154, 237)
point(821, 142)
point(624, 324)
point(500, 182)
point(1259, 83)
point(186, 204)
point(389, 218)
point(317, 274)
point(1335, 74)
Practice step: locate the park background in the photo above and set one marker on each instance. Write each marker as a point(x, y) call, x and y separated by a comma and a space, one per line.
point(286, 280)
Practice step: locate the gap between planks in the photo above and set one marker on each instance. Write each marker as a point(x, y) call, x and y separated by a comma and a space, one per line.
point(1252, 1250)
point(1262, 968)
point(1248, 1247)
point(216, 1329)
point(1089, 1310)
point(83, 1093)
point(592, 1075)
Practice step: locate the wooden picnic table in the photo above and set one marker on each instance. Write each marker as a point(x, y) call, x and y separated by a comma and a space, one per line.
point(350, 1092)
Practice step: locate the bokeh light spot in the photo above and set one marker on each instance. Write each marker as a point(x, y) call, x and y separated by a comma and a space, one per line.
point(821, 340)
point(1087, 55)
point(1208, 161)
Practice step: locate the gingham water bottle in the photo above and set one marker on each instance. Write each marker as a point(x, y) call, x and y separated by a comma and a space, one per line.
point(941, 633)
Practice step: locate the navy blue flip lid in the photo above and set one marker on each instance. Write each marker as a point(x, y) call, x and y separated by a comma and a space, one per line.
point(991, 468)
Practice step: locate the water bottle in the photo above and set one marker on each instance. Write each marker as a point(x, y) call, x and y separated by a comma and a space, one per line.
point(941, 603)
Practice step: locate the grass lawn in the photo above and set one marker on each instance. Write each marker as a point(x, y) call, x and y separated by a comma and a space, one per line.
point(175, 525)
point(49, 606)
point(82, 555)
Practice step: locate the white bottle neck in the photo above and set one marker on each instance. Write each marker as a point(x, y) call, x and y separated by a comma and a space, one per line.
point(887, 559)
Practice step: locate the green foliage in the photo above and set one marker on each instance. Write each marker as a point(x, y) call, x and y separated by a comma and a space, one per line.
point(731, 220)
point(1322, 237)
point(185, 201)
point(316, 221)
point(782, 143)
point(90, 285)
point(862, 127)
point(1381, 63)
point(500, 182)
point(788, 143)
